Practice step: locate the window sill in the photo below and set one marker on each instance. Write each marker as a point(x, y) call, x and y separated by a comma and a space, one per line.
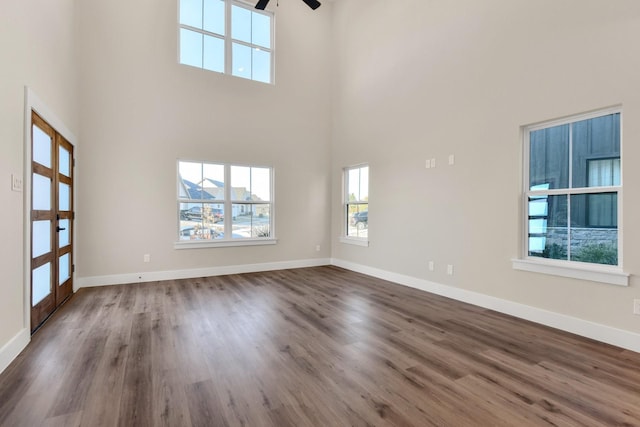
point(358, 241)
point(601, 274)
point(199, 244)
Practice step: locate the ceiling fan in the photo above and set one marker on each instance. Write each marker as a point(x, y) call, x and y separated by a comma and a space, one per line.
point(313, 4)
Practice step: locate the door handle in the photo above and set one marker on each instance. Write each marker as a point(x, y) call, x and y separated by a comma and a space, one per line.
point(58, 229)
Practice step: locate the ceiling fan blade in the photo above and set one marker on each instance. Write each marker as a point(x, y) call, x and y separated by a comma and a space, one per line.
point(313, 4)
point(262, 4)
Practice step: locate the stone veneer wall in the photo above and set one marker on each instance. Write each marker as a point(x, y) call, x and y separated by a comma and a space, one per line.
point(581, 237)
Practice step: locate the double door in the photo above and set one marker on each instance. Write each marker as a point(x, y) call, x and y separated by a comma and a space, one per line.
point(51, 220)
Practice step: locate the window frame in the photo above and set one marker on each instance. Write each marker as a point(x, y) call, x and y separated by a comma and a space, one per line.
point(228, 39)
point(612, 274)
point(228, 202)
point(345, 237)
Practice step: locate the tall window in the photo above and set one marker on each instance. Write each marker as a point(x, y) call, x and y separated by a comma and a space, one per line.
point(228, 37)
point(356, 200)
point(572, 186)
point(221, 202)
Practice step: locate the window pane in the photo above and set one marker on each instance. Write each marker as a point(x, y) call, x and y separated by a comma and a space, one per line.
point(64, 197)
point(241, 24)
point(594, 228)
point(213, 54)
point(353, 185)
point(212, 214)
point(358, 184)
point(41, 238)
point(241, 221)
point(358, 220)
point(214, 16)
point(364, 183)
point(250, 184)
point(64, 236)
point(261, 30)
point(190, 180)
point(190, 48)
point(201, 221)
point(261, 65)
point(594, 210)
point(597, 138)
point(64, 268)
point(40, 283)
point(240, 183)
point(41, 147)
point(241, 61)
point(549, 157)
point(191, 13)
point(250, 220)
point(64, 161)
point(41, 193)
point(213, 182)
point(547, 220)
point(260, 184)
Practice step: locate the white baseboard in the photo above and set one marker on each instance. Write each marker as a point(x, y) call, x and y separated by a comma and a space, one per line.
point(120, 279)
point(12, 349)
point(607, 334)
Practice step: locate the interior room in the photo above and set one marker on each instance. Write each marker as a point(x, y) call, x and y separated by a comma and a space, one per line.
point(493, 140)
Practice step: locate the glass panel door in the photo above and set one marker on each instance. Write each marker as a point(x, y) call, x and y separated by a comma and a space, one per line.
point(51, 220)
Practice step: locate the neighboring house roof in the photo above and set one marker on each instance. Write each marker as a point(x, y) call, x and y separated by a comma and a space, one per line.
point(194, 191)
point(191, 190)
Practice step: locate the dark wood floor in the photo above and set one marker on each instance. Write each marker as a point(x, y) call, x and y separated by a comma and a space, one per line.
point(307, 347)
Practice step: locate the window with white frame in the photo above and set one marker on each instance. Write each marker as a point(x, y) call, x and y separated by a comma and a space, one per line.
point(227, 36)
point(224, 203)
point(572, 188)
point(356, 201)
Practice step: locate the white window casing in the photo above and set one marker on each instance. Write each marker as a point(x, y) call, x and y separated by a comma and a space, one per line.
point(572, 200)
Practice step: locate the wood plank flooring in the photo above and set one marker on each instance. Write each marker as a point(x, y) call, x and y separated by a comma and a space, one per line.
point(307, 347)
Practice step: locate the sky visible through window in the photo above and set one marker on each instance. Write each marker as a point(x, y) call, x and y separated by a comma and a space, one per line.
point(203, 44)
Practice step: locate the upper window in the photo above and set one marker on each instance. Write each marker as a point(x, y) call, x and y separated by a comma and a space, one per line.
point(572, 186)
point(224, 203)
point(356, 201)
point(228, 37)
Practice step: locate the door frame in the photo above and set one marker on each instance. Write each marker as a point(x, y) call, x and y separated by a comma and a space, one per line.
point(33, 103)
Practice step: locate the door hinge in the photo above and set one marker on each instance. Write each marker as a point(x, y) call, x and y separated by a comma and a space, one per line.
point(73, 268)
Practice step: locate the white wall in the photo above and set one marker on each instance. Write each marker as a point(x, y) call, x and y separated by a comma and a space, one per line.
point(141, 111)
point(424, 79)
point(37, 50)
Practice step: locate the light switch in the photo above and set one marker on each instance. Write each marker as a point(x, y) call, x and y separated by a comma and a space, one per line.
point(16, 183)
